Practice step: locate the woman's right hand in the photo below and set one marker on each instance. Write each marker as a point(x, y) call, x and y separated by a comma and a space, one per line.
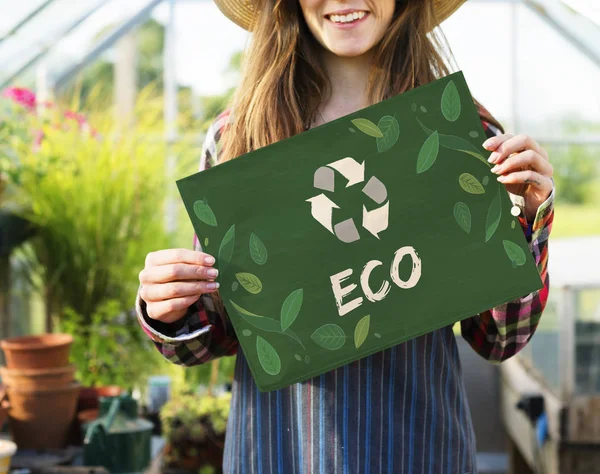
point(172, 280)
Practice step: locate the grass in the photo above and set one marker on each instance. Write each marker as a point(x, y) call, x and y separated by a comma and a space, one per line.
point(576, 220)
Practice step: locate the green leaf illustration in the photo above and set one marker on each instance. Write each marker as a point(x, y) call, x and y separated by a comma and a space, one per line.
point(513, 224)
point(470, 184)
point(247, 332)
point(485, 180)
point(329, 336)
point(429, 152)
point(362, 331)
point(451, 102)
point(267, 356)
point(258, 251)
point(462, 214)
point(205, 213)
point(297, 357)
point(514, 252)
point(206, 242)
point(264, 323)
point(367, 127)
point(391, 131)
point(226, 249)
point(493, 216)
point(453, 142)
point(290, 308)
point(251, 283)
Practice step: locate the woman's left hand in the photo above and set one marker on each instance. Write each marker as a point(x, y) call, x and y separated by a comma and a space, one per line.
point(524, 167)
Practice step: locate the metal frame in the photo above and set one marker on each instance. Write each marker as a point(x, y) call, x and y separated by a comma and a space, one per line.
point(50, 44)
point(26, 20)
point(60, 81)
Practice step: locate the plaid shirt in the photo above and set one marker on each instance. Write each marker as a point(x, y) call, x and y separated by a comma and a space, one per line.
point(401, 410)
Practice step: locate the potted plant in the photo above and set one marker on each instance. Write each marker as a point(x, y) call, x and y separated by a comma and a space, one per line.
point(194, 429)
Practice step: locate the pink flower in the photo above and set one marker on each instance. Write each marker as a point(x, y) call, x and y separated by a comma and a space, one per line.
point(79, 118)
point(21, 96)
point(38, 137)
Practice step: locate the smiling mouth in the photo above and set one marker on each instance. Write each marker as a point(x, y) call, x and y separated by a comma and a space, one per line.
point(346, 18)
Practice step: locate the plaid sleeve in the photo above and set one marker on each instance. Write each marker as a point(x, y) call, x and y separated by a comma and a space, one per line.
point(499, 333)
point(204, 333)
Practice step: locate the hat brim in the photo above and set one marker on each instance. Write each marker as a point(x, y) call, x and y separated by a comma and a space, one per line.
point(242, 12)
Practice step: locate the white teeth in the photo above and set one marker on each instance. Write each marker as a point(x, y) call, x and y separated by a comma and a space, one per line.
point(350, 17)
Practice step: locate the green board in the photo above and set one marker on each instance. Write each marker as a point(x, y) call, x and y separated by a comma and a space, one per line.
point(360, 234)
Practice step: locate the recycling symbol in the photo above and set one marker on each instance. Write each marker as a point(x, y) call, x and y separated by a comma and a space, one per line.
point(374, 221)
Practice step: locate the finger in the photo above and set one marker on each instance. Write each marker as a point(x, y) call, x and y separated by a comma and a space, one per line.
point(164, 310)
point(170, 256)
point(526, 159)
point(168, 291)
point(513, 145)
point(494, 142)
point(177, 272)
point(530, 177)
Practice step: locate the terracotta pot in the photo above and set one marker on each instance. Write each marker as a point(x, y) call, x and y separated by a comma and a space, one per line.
point(38, 378)
point(37, 352)
point(89, 397)
point(41, 419)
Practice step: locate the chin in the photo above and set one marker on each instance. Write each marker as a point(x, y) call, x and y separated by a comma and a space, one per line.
point(349, 51)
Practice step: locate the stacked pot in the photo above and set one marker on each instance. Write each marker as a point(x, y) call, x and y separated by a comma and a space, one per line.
point(42, 390)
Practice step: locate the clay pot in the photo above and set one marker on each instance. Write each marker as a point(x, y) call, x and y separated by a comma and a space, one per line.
point(89, 397)
point(37, 352)
point(42, 418)
point(38, 378)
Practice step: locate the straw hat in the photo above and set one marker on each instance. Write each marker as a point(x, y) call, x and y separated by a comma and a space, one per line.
point(242, 12)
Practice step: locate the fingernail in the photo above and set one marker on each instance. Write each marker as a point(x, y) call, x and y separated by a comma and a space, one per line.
point(213, 272)
point(492, 157)
point(212, 285)
point(487, 143)
point(210, 260)
point(495, 169)
point(501, 178)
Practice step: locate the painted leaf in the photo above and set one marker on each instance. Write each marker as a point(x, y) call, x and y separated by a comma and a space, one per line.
point(429, 153)
point(451, 102)
point(264, 323)
point(513, 225)
point(206, 242)
point(485, 180)
point(290, 308)
point(391, 131)
point(514, 252)
point(258, 251)
point(453, 142)
point(362, 331)
point(297, 357)
point(247, 332)
point(205, 213)
point(462, 214)
point(367, 127)
point(329, 336)
point(251, 283)
point(470, 184)
point(267, 356)
point(493, 216)
point(226, 249)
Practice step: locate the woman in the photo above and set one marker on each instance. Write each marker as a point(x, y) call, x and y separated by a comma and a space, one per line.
point(404, 409)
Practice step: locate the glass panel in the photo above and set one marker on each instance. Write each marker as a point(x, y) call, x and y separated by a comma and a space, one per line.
point(542, 353)
point(587, 343)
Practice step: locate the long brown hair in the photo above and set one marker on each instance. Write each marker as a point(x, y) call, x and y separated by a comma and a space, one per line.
point(284, 83)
